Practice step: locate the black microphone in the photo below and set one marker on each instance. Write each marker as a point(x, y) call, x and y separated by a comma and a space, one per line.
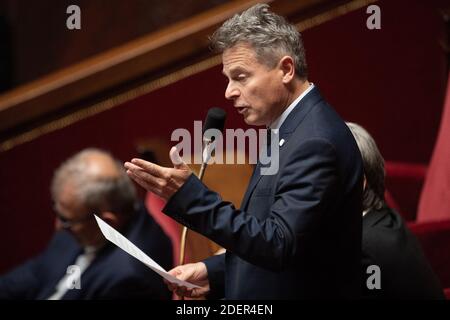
point(215, 119)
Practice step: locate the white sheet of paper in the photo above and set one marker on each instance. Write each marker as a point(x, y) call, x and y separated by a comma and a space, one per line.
point(119, 240)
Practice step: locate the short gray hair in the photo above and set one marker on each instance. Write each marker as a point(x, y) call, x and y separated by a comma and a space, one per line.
point(373, 162)
point(115, 193)
point(269, 34)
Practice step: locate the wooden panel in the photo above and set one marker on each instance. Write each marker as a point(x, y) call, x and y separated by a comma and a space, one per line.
point(148, 55)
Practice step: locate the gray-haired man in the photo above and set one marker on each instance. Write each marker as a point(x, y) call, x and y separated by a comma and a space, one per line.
point(79, 263)
point(298, 232)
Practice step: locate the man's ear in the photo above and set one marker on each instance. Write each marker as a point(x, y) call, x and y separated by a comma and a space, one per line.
point(110, 218)
point(287, 66)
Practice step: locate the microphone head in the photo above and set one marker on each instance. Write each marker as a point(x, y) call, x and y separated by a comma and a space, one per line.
point(215, 119)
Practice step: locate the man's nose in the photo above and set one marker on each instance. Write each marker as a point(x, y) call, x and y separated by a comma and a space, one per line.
point(231, 93)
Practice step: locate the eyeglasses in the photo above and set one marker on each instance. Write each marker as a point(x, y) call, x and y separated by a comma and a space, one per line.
point(68, 223)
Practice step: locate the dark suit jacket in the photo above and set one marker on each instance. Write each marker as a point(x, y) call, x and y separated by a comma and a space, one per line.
point(298, 232)
point(113, 273)
point(405, 272)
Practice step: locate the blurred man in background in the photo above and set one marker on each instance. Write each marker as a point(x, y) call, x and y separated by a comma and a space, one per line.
point(79, 263)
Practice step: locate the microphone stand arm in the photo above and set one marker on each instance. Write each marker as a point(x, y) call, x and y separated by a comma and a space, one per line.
point(185, 229)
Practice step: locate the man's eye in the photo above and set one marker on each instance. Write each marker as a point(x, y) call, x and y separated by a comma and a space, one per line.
point(242, 77)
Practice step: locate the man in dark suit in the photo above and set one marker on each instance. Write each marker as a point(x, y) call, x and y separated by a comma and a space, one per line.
point(298, 232)
point(79, 263)
point(387, 242)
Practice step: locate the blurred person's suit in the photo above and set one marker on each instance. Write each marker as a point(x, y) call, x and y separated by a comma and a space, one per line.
point(89, 182)
point(113, 274)
point(405, 271)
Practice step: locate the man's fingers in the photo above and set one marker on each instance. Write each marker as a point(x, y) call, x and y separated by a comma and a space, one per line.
point(175, 271)
point(173, 286)
point(140, 181)
point(170, 285)
point(160, 180)
point(183, 291)
point(134, 168)
point(143, 174)
point(146, 181)
point(149, 167)
point(183, 274)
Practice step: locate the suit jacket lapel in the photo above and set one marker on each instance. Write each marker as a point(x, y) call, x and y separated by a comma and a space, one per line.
point(256, 176)
point(299, 113)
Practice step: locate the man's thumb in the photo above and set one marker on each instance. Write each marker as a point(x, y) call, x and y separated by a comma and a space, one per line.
point(177, 161)
point(184, 273)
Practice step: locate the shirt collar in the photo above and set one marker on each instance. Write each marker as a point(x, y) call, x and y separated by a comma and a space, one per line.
point(90, 249)
point(278, 122)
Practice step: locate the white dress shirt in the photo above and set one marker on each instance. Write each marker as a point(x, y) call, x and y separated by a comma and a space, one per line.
point(82, 262)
